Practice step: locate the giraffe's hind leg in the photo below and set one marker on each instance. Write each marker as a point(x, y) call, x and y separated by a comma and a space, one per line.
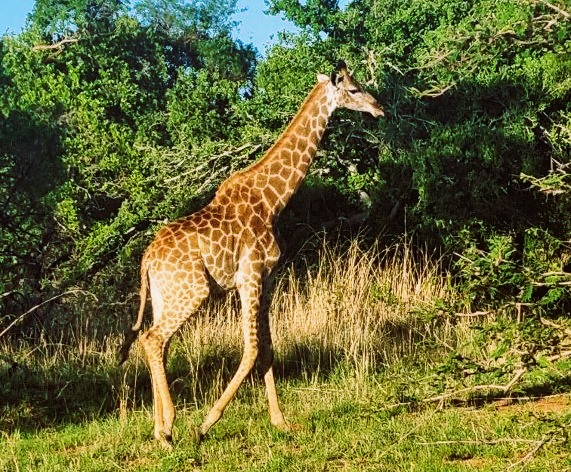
point(266, 360)
point(155, 343)
point(155, 348)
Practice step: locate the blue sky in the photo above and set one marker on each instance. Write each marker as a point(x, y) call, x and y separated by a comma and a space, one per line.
point(255, 27)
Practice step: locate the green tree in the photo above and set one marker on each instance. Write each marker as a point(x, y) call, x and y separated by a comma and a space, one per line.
point(476, 93)
point(98, 102)
point(316, 16)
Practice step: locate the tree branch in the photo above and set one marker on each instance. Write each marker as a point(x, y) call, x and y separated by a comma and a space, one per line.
point(34, 308)
point(475, 388)
point(556, 8)
point(548, 437)
point(551, 324)
point(59, 45)
point(480, 441)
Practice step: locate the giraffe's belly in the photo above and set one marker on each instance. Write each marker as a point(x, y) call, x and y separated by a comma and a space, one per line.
point(225, 262)
point(222, 272)
point(219, 259)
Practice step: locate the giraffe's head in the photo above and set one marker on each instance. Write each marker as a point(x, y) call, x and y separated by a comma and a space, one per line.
point(347, 93)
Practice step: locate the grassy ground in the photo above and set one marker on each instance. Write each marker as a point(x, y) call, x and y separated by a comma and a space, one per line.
point(372, 378)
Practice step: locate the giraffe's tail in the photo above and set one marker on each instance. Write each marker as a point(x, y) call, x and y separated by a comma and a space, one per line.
point(132, 333)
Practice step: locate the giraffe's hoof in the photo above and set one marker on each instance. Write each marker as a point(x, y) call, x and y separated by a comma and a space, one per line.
point(286, 426)
point(198, 435)
point(165, 440)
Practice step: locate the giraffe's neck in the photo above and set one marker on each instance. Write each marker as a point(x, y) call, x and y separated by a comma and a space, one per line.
point(279, 173)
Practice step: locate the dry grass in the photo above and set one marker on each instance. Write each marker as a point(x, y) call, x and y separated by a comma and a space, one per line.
point(358, 303)
point(357, 310)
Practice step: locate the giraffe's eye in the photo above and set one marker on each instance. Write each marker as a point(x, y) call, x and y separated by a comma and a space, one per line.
point(353, 91)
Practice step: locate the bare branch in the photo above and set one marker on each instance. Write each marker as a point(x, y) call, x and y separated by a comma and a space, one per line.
point(548, 437)
point(551, 324)
point(59, 45)
point(480, 441)
point(561, 355)
point(435, 91)
point(474, 314)
point(475, 388)
point(34, 308)
point(7, 294)
point(556, 8)
point(564, 283)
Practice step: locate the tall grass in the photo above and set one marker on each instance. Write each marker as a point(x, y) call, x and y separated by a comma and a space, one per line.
point(357, 307)
point(355, 311)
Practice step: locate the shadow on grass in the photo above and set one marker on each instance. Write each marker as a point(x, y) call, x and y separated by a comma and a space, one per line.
point(35, 397)
point(303, 361)
point(524, 394)
point(202, 381)
point(537, 391)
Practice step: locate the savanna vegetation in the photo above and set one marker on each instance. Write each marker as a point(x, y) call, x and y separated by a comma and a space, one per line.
point(421, 309)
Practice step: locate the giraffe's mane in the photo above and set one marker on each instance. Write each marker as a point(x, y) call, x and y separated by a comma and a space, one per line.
point(293, 124)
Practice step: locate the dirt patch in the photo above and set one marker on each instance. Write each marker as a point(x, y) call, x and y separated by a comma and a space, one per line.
point(471, 462)
point(550, 404)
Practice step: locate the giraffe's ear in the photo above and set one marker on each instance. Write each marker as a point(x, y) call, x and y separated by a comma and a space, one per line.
point(339, 73)
point(322, 78)
point(341, 66)
point(336, 78)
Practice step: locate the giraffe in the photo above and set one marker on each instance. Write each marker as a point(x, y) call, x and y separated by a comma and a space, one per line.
point(231, 241)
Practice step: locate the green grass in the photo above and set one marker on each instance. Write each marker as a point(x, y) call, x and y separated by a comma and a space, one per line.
point(343, 427)
point(372, 378)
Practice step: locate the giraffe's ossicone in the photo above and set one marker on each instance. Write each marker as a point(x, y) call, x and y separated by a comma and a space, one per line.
point(231, 241)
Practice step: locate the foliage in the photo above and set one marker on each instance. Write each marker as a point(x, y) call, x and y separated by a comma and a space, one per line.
point(493, 270)
point(317, 16)
point(118, 117)
point(477, 95)
point(101, 105)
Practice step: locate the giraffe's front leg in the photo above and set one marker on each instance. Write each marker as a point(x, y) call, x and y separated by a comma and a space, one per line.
point(276, 416)
point(250, 289)
point(266, 359)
